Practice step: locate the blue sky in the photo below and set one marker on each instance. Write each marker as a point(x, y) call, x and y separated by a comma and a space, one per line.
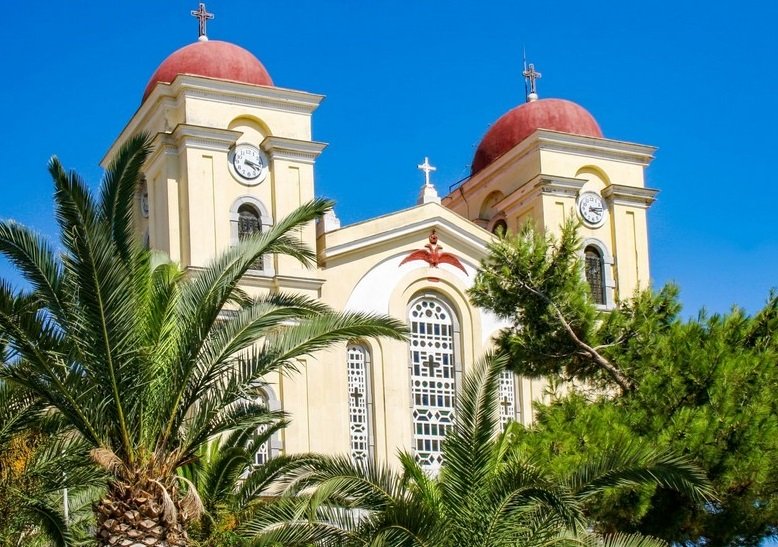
point(409, 79)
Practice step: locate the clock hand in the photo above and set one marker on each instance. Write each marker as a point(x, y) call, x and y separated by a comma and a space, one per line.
point(252, 164)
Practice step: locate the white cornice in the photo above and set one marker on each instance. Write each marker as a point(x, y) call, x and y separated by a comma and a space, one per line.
point(608, 149)
point(273, 282)
point(208, 138)
point(276, 98)
point(283, 148)
point(162, 145)
point(545, 184)
point(618, 194)
point(165, 96)
point(444, 225)
point(543, 139)
point(294, 282)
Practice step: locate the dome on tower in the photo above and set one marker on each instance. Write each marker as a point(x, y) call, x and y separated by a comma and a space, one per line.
point(211, 59)
point(519, 123)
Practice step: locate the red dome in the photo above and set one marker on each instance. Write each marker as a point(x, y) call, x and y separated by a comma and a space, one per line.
point(211, 59)
point(519, 123)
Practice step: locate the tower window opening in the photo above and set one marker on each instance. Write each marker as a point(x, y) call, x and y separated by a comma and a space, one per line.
point(594, 270)
point(249, 225)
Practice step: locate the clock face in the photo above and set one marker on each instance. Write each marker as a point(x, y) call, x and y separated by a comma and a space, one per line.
point(250, 163)
point(591, 208)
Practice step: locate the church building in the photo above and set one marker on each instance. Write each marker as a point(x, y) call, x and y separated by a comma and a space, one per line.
point(234, 153)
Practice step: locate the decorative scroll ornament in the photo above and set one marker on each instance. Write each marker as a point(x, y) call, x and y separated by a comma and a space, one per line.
point(433, 255)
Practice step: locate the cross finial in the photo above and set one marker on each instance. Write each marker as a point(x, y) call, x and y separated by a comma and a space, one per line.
point(427, 168)
point(202, 16)
point(531, 76)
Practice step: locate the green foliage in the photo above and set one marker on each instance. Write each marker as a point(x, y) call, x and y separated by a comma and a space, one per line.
point(703, 387)
point(36, 464)
point(535, 282)
point(488, 492)
point(143, 362)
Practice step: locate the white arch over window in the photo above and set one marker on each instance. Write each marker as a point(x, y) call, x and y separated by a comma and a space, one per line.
point(248, 203)
point(609, 283)
point(360, 402)
point(435, 373)
point(273, 447)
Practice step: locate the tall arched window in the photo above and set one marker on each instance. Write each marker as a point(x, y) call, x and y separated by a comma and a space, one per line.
point(272, 446)
point(249, 224)
point(594, 269)
point(359, 402)
point(262, 455)
point(507, 393)
point(433, 377)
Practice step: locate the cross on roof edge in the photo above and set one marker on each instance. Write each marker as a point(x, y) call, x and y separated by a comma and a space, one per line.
point(427, 168)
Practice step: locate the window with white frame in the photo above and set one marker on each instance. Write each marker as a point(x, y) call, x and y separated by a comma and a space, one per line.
point(433, 377)
point(249, 225)
point(594, 269)
point(507, 394)
point(272, 446)
point(359, 402)
point(263, 453)
point(249, 217)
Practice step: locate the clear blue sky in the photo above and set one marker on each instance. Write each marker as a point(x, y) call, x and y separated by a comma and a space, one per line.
point(409, 79)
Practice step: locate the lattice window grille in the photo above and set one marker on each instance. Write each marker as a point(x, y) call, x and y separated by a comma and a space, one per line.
point(433, 379)
point(249, 224)
point(593, 267)
point(507, 393)
point(358, 409)
point(262, 455)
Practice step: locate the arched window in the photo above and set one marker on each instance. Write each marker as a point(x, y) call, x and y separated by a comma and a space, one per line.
point(507, 393)
point(594, 269)
point(271, 447)
point(500, 228)
point(249, 224)
point(248, 217)
point(433, 377)
point(359, 402)
point(262, 455)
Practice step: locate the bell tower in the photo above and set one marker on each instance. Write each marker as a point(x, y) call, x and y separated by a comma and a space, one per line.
point(546, 160)
point(232, 154)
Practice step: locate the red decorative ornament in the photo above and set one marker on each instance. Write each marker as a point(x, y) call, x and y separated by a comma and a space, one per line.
point(432, 255)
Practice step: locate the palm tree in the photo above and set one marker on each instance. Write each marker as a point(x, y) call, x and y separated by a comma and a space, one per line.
point(487, 493)
point(145, 362)
point(233, 486)
point(37, 463)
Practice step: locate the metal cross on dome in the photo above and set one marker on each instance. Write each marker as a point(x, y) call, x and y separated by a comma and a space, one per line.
point(427, 168)
point(202, 16)
point(532, 76)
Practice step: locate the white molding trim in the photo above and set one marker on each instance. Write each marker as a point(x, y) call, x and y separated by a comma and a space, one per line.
point(545, 184)
point(544, 139)
point(271, 97)
point(442, 225)
point(170, 96)
point(283, 148)
point(208, 138)
point(619, 194)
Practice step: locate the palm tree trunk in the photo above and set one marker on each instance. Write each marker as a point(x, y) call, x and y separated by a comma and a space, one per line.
point(131, 516)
